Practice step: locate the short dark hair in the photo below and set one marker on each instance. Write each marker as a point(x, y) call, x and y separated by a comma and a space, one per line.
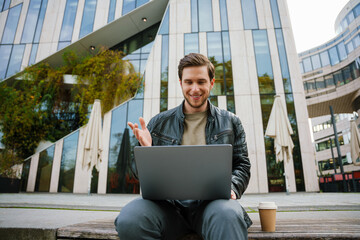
point(196, 59)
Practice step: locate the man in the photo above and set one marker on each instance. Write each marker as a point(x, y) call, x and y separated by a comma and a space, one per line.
point(195, 122)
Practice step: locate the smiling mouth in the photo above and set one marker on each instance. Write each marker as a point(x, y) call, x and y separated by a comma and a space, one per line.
point(195, 97)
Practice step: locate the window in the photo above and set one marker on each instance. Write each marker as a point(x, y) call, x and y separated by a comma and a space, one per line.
point(5, 51)
point(164, 28)
point(263, 62)
point(40, 22)
point(33, 53)
point(43, 176)
point(11, 24)
point(249, 14)
point(25, 175)
point(329, 80)
point(350, 17)
point(349, 47)
point(205, 15)
point(30, 22)
point(357, 10)
point(324, 56)
point(191, 43)
point(283, 61)
point(122, 141)
point(68, 21)
point(338, 78)
point(88, 17)
point(164, 73)
point(307, 64)
point(68, 160)
point(6, 4)
point(311, 86)
point(315, 60)
point(223, 15)
point(301, 67)
point(129, 5)
point(320, 84)
point(275, 13)
point(194, 16)
point(334, 57)
point(342, 51)
point(15, 59)
point(112, 7)
point(356, 41)
point(218, 45)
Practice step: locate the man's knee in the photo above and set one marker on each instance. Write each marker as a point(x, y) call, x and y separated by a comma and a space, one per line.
point(224, 212)
point(135, 219)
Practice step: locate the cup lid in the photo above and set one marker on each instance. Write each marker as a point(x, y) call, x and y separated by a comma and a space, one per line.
point(267, 205)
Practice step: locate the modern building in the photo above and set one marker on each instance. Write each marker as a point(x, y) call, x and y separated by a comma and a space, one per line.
point(250, 43)
point(331, 77)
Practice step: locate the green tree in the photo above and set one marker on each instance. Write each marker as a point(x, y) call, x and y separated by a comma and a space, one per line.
point(42, 107)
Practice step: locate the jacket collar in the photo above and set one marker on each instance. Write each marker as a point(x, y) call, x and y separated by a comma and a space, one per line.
point(180, 110)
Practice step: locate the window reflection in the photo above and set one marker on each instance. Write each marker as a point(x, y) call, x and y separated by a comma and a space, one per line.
point(223, 15)
point(263, 62)
point(275, 13)
point(11, 24)
point(194, 16)
point(334, 57)
point(324, 58)
point(68, 20)
point(283, 61)
point(205, 15)
point(30, 22)
point(315, 61)
point(15, 59)
point(33, 53)
point(342, 51)
point(68, 160)
point(25, 175)
point(5, 51)
point(230, 103)
point(122, 142)
point(112, 7)
point(43, 175)
point(249, 14)
point(40, 21)
point(191, 43)
point(88, 18)
point(164, 72)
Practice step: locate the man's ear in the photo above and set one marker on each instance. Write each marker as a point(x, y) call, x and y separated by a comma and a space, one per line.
point(180, 82)
point(212, 82)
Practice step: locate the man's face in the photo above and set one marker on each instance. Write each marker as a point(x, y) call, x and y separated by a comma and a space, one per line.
point(196, 86)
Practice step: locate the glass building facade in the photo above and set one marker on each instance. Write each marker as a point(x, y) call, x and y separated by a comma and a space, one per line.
point(252, 65)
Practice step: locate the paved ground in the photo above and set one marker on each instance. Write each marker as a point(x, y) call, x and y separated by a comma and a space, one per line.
point(39, 215)
point(53, 210)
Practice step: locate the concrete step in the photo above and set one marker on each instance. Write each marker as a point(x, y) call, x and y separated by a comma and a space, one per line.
point(285, 229)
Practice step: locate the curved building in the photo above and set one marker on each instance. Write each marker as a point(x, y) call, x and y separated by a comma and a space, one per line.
point(331, 77)
point(250, 43)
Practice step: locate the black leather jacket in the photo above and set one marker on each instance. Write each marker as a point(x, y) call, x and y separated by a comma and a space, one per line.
point(222, 127)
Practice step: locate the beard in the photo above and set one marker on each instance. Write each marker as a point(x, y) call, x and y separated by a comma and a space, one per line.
point(195, 106)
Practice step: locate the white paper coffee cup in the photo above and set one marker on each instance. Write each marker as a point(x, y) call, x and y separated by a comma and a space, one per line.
point(267, 211)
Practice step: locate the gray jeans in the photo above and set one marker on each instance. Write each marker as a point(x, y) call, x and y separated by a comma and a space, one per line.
point(218, 219)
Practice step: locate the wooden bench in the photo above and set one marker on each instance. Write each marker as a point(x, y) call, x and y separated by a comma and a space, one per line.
point(289, 229)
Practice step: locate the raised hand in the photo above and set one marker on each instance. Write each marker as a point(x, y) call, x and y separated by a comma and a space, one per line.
point(142, 135)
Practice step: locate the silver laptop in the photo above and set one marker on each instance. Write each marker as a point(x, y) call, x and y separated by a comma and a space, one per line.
point(185, 172)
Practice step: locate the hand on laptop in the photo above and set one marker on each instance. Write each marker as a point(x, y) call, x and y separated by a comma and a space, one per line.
point(143, 134)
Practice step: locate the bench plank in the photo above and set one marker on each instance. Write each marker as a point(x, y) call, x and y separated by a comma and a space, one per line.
point(285, 229)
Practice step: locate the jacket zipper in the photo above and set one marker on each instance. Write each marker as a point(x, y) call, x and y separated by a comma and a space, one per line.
point(166, 138)
point(220, 134)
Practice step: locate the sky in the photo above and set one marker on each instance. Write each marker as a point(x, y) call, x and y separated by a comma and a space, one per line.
point(313, 21)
